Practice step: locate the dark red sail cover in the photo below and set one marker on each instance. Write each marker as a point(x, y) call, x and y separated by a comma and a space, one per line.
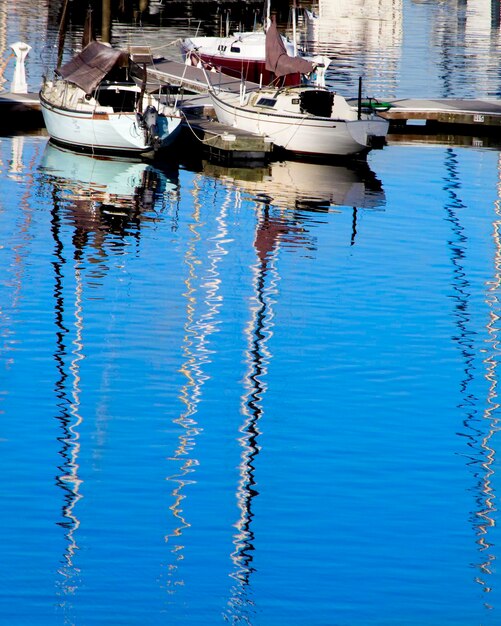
point(277, 59)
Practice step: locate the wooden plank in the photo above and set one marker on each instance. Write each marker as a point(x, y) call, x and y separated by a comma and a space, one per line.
point(481, 113)
point(226, 141)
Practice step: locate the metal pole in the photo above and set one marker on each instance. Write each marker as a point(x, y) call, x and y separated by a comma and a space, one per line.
point(359, 97)
point(106, 22)
point(62, 33)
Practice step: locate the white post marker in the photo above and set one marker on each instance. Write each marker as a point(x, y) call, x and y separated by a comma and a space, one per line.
point(19, 84)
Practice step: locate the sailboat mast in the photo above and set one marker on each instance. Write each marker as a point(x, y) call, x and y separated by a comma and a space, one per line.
point(63, 22)
point(294, 37)
point(106, 22)
point(267, 18)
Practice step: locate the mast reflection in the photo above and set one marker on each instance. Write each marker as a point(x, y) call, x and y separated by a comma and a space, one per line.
point(257, 356)
point(203, 305)
point(482, 454)
point(285, 193)
point(487, 508)
point(67, 356)
point(96, 203)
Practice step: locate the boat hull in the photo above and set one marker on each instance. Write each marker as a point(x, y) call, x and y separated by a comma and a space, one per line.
point(240, 56)
point(252, 70)
point(302, 134)
point(108, 132)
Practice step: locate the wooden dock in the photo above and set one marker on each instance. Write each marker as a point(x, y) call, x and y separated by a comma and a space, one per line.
point(472, 116)
point(224, 143)
point(20, 111)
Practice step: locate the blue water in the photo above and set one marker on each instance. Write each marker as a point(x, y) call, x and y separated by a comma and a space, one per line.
point(253, 396)
point(214, 407)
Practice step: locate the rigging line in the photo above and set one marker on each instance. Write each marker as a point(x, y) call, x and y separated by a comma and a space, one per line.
point(167, 45)
point(204, 141)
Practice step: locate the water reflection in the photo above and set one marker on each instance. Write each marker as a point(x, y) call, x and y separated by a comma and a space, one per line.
point(486, 515)
point(482, 454)
point(304, 185)
point(203, 302)
point(107, 200)
point(97, 203)
point(362, 34)
point(302, 188)
point(68, 313)
point(257, 357)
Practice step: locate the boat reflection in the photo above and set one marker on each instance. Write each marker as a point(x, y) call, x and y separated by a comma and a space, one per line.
point(306, 185)
point(107, 195)
point(96, 204)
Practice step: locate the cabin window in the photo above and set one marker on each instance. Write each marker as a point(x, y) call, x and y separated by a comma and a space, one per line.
point(235, 49)
point(119, 100)
point(266, 102)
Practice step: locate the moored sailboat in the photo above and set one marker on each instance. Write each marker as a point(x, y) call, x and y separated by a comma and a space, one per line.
point(242, 54)
point(304, 119)
point(93, 103)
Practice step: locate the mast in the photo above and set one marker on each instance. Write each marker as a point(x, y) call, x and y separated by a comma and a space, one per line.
point(63, 23)
point(106, 22)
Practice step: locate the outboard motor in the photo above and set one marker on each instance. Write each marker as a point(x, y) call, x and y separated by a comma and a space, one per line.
point(150, 118)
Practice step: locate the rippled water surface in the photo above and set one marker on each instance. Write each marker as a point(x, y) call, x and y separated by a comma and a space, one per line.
point(255, 395)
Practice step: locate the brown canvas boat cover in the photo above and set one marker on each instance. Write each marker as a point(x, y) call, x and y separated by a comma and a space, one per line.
point(88, 68)
point(277, 59)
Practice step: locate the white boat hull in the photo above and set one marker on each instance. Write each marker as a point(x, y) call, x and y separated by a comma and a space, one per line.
point(104, 131)
point(301, 133)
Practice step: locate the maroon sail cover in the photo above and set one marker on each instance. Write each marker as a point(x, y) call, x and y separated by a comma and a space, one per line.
point(88, 68)
point(277, 59)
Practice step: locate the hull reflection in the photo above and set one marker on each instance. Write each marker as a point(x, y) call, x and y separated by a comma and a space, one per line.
point(112, 184)
point(303, 185)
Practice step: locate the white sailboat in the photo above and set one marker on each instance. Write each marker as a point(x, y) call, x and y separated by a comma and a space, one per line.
point(304, 119)
point(93, 103)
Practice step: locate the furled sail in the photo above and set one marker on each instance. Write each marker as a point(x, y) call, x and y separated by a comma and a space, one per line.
point(277, 59)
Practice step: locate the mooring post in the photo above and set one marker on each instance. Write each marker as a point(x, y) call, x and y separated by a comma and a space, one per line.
point(19, 84)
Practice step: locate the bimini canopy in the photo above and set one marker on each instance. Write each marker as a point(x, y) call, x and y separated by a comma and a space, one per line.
point(88, 68)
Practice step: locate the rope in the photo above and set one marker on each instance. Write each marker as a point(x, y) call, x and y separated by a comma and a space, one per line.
point(175, 42)
point(204, 141)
